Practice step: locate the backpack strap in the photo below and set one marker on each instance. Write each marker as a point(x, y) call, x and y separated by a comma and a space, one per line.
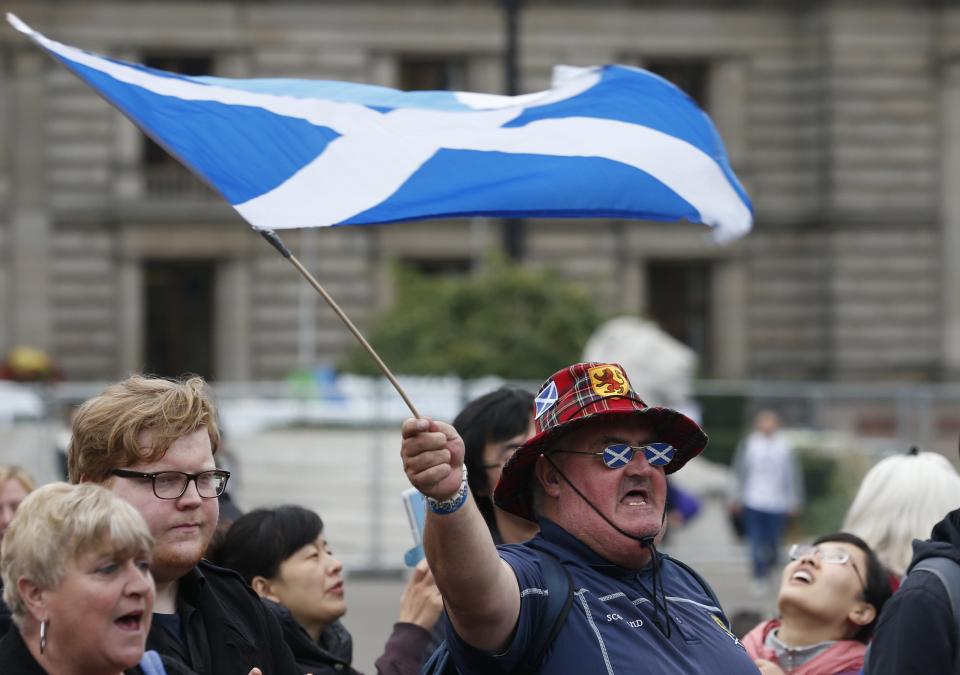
point(948, 572)
point(559, 600)
point(439, 662)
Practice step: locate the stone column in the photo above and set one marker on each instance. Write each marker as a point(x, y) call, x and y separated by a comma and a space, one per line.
point(126, 151)
point(30, 221)
point(729, 321)
point(130, 315)
point(728, 95)
point(6, 138)
point(382, 69)
point(950, 214)
point(728, 103)
point(6, 130)
point(233, 336)
point(637, 281)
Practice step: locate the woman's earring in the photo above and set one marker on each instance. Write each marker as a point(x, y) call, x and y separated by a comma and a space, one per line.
point(43, 635)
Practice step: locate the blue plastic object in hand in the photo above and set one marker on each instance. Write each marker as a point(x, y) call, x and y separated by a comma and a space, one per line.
point(416, 515)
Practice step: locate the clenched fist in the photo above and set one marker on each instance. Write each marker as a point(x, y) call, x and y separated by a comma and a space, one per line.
point(432, 454)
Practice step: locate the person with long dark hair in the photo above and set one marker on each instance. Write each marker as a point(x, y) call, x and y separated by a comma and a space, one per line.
point(492, 427)
point(282, 554)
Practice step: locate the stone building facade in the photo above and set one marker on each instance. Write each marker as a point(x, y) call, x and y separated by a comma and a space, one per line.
point(842, 119)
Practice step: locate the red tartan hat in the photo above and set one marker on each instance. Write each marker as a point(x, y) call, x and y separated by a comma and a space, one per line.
point(573, 396)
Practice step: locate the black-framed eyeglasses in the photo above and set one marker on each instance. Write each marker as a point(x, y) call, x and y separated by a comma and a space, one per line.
point(618, 455)
point(172, 484)
point(830, 554)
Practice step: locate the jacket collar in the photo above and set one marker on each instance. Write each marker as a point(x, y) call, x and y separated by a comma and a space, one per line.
point(828, 657)
point(335, 644)
point(555, 540)
point(15, 654)
point(191, 586)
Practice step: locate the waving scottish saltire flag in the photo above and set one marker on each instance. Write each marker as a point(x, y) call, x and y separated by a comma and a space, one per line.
point(610, 141)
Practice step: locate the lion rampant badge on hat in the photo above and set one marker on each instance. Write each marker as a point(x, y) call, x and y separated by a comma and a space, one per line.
point(608, 380)
point(575, 395)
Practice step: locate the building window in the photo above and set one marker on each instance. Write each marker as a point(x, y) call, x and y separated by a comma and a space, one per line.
point(164, 175)
point(678, 299)
point(179, 324)
point(431, 73)
point(439, 267)
point(691, 75)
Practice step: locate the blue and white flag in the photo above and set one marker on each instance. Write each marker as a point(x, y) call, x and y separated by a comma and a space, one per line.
point(603, 142)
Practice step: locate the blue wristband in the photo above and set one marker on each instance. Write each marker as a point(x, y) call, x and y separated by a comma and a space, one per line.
point(445, 506)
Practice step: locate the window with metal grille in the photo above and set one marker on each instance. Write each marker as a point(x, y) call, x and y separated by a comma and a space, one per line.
point(691, 75)
point(679, 300)
point(430, 73)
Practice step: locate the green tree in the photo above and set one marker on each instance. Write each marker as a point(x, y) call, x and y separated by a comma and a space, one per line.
point(508, 320)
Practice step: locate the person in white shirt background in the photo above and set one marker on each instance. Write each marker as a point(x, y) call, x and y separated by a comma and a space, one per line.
point(768, 492)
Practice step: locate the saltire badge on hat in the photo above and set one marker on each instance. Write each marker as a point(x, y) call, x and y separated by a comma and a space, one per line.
point(545, 399)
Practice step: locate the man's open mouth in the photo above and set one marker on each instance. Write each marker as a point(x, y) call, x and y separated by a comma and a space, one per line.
point(635, 497)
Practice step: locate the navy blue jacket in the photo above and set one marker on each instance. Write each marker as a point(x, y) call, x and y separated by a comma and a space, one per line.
point(610, 628)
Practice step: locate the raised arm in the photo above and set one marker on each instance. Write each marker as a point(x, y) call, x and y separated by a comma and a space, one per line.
point(420, 608)
point(479, 590)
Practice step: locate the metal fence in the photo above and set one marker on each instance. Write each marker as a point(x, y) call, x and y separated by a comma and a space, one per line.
point(882, 417)
point(332, 445)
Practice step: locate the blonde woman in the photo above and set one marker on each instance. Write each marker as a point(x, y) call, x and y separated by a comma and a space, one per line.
point(75, 563)
point(900, 499)
point(15, 485)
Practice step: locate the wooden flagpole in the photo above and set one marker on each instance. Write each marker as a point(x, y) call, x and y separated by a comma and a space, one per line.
point(278, 244)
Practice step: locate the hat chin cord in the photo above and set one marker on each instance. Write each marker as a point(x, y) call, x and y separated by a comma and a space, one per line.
point(645, 542)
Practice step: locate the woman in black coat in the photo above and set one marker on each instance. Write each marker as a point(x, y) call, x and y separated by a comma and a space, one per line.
point(283, 555)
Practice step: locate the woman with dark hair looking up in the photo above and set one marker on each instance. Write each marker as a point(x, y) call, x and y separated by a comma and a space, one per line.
point(831, 594)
